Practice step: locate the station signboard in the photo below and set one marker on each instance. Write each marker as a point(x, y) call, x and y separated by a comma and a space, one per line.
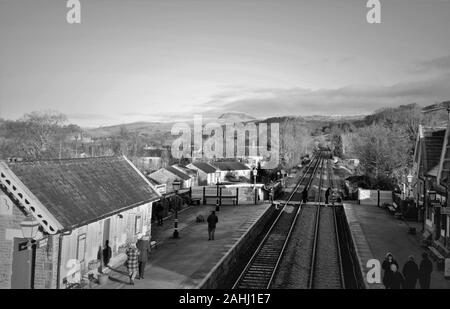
point(436, 204)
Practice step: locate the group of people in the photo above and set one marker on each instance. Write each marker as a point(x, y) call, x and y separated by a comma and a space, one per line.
point(137, 253)
point(328, 192)
point(137, 257)
point(411, 273)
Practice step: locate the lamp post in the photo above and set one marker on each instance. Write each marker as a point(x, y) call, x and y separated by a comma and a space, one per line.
point(217, 191)
point(255, 172)
point(30, 229)
point(409, 178)
point(218, 196)
point(176, 186)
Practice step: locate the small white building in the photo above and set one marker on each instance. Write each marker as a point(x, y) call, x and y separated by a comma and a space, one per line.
point(207, 174)
point(232, 170)
point(192, 173)
point(168, 175)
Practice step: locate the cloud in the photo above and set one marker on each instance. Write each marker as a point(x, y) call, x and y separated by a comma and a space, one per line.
point(435, 65)
point(350, 100)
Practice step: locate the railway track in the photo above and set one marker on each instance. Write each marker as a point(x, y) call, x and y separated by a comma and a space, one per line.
point(260, 270)
point(326, 271)
point(312, 259)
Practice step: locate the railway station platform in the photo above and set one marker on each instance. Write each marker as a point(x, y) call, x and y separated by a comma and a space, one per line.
point(188, 262)
point(375, 232)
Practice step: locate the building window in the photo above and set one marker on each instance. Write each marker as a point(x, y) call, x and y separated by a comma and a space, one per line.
point(138, 225)
point(81, 247)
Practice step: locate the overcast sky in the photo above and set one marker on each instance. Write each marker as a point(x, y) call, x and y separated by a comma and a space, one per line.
point(164, 60)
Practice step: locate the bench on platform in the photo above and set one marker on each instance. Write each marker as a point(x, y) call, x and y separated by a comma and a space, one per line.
point(436, 255)
point(233, 198)
point(195, 201)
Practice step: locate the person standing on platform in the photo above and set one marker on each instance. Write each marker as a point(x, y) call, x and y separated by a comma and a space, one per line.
point(305, 195)
point(388, 261)
point(327, 195)
point(143, 246)
point(107, 253)
point(396, 280)
point(212, 221)
point(410, 273)
point(159, 213)
point(425, 270)
point(132, 262)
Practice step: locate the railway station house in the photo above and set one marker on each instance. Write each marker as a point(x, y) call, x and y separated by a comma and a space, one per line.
point(431, 179)
point(168, 175)
point(207, 174)
point(55, 216)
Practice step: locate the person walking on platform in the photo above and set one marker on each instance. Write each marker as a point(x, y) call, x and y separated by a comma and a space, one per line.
point(425, 270)
point(143, 246)
point(212, 221)
point(388, 261)
point(159, 214)
point(132, 262)
point(107, 253)
point(410, 273)
point(305, 195)
point(395, 279)
point(327, 195)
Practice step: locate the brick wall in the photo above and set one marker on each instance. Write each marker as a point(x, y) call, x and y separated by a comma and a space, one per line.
point(46, 264)
point(10, 218)
point(46, 257)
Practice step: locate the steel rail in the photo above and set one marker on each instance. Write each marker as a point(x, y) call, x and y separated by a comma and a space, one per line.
point(294, 222)
point(316, 235)
point(312, 167)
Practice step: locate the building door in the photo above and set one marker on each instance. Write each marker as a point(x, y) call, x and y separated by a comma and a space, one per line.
point(437, 222)
point(21, 266)
point(106, 229)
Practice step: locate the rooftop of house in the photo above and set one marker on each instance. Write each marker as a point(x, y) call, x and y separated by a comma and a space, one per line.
point(426, 130)
point(230, 166)
point(433, 148)
point(178, 173)
point(205, 167)
point(153, 181)
point(79, 191)
point(186, 170)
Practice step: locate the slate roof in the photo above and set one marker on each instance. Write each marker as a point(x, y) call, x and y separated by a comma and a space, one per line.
point(178, 173)
point(433, 148)
point(79, 191)
point(205, 167)
point(231, 166)
point(186, 170)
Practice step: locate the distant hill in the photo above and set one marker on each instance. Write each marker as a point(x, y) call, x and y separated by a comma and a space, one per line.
point(316, 124)
point(296, 132)
point(236, 117)
point(142, 127)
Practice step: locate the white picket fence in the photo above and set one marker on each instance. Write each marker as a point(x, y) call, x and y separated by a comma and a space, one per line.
point(374, 197)
point(245, 195)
